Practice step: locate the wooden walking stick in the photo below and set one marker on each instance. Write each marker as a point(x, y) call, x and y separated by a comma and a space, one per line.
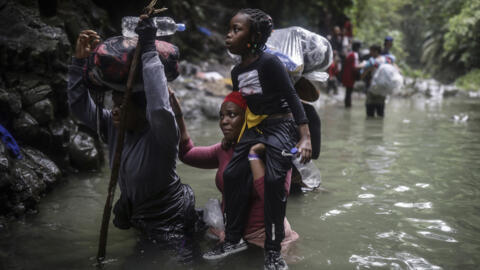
point(149, 10)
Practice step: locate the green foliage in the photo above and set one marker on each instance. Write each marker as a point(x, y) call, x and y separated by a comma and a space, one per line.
point(470, 81)
point(441, 37)
point(375, 19)
point(463, 35)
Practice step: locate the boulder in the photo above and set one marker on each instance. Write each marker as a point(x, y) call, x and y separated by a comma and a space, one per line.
point(59, 87)
point(25, 127)
point(42, 110)
point(210, 106)
point(450, 90)
point(61, 131)
point(36, 94)
point(46, 169)
point(83, 152)
point(4, 161)
point(4, 167)
point(25, 182)
point(28, 44)
point(10, 102)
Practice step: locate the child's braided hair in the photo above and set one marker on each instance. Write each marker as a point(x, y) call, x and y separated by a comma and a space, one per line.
point(260, 22)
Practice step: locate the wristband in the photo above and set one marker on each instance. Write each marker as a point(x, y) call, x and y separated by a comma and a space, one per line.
point(253, 157)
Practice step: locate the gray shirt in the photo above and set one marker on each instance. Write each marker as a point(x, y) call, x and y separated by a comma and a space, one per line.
point(149, 185)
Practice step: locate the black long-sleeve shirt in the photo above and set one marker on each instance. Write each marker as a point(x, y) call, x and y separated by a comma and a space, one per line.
point(266, 86)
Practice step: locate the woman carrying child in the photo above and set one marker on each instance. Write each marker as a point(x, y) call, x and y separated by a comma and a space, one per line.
point(276, 119)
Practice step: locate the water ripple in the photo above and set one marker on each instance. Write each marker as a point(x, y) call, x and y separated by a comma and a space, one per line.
point(397, 236)
point(401, 189)
point(434, 224)
point(422, 205)
point(422, 185)
point(438, 237)
point(400, 261)
point(366, 196)
point(331, 213)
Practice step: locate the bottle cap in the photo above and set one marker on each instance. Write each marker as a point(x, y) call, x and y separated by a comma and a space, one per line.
point(181, 27)
point(294, 150)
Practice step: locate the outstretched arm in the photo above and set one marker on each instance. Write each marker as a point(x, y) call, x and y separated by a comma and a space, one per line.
point(81, 104)
point(201, 157)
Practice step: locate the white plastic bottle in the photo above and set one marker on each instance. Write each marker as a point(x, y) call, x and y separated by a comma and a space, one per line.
point(311, 176)
point(165, 26)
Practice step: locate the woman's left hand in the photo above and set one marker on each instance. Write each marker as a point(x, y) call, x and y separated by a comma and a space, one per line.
point(177, 110)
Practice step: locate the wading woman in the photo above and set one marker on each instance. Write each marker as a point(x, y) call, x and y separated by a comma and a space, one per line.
point(275, 118)
point(217, 156)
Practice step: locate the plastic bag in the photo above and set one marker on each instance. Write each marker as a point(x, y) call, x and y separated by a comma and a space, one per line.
point(212, 215)
point(302, 52)
point(385, 79)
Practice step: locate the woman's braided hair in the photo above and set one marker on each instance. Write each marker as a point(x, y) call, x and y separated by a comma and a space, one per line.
point(260, 22)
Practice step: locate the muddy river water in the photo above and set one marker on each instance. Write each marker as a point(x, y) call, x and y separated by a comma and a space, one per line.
point(404, 193)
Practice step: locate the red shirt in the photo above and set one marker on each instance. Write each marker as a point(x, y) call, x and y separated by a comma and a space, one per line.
point(211, 157)
point(348, 76)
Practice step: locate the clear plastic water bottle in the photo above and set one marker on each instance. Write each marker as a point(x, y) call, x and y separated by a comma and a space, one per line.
point(165, 26)
point(311, 176)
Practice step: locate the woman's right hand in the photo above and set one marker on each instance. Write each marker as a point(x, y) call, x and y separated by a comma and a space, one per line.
point(87, 41)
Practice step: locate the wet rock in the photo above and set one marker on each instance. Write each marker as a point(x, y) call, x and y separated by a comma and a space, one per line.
point(450, 90)
point(83, 152)
point(25, 127)
point(47, 170)
point(59, 86)
point(473, 94)
point(28, 44)
point(188, 69)
point(10, 102)
point(409, 82)
point(4, 162)
point(19, 209)
point(421, 86)
point(196, 104)
point(26, 183)
point(42, 110)
point(61, 131)
point(36, 94)
point(4, 167)
point(210, 106)
point(79, 15)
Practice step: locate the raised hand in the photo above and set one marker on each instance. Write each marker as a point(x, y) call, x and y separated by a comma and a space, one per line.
point(86, 42)
point(146, 31)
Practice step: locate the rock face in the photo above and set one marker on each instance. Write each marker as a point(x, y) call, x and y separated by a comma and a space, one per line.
point(36, 39)
point(35, 50)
